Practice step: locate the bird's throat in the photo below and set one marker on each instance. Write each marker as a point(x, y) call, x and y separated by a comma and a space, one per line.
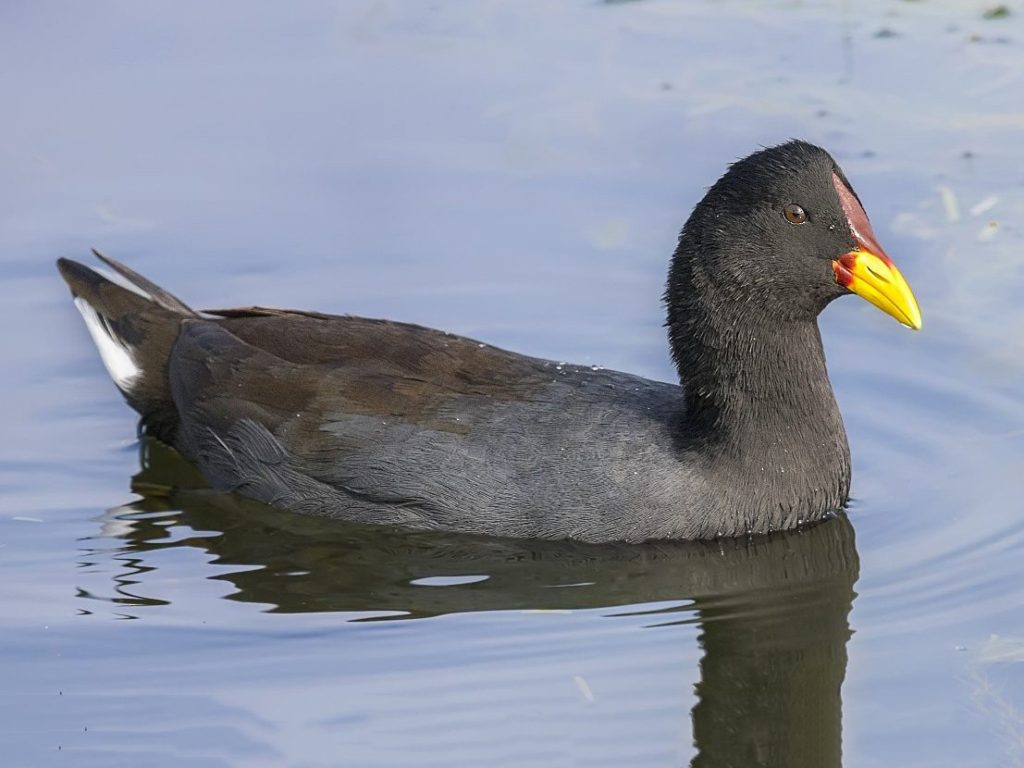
point(761, 412)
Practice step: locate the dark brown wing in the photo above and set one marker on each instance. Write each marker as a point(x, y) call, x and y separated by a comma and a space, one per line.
point(394, 423)
point(370, 420)
point(363, 347)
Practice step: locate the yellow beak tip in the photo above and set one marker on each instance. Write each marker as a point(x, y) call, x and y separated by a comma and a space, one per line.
point(877, 280)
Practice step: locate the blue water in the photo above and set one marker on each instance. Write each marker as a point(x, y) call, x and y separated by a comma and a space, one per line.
point(516, 172)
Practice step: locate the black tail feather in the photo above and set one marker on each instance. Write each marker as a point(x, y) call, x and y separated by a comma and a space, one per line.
point(165, 299)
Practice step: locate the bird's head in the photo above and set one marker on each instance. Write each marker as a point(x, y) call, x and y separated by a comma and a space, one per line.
point(780, 235)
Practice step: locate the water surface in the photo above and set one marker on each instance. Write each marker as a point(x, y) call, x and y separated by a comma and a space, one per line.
point(515, 172)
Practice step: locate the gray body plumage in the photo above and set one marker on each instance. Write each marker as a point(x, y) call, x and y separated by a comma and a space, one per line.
point(589, 455)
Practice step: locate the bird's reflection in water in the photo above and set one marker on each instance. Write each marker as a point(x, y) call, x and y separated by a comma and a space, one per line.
point(773, 610)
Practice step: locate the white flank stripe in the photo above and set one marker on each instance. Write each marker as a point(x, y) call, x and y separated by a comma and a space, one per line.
point(115, 354)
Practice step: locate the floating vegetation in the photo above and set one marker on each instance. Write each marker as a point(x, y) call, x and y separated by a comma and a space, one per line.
point(988, 232)
point(987, 204)
point(950, 204)
point(996, 12)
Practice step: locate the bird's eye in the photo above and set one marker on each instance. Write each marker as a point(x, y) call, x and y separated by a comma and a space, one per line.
point(794, 213)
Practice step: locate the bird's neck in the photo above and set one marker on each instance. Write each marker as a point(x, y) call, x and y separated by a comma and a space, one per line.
point(761, 412)
point(739, 374)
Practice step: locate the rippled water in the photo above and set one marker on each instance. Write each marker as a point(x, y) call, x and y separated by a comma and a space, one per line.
point(516, 172)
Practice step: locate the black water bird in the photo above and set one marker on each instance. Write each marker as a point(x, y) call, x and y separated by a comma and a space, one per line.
point(390, 423)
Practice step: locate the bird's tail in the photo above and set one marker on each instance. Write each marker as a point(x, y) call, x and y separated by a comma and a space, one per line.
point(134, 323)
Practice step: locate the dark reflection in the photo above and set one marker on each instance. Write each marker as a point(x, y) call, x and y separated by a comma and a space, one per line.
point(773, 610)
